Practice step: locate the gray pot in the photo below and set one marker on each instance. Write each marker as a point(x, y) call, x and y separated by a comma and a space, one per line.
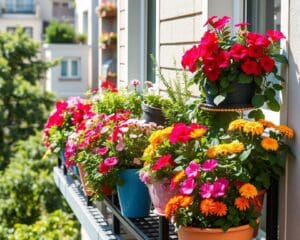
point(153, 114)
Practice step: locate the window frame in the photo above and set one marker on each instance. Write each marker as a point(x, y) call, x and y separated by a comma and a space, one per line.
point(69, 75)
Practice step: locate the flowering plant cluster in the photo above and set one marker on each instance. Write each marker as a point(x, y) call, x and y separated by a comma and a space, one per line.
point(170, 149)
point(221, 61)
point(108, 38)
point(107, 9)
point(265, 150)
point(62, 120)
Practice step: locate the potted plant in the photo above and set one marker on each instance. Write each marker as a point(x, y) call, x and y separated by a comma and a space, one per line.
point(170, 149)
point(233, 72)
point(219, 194)
point(107, 9)
point(108, 39)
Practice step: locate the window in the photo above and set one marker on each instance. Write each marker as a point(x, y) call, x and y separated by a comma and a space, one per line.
point(19, 6)
point(27, 30)
point(70, 68)
point(11, 29)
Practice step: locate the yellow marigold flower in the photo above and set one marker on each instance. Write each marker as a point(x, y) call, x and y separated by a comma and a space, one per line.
point(255, 128)
point(186, 201)
point(236, 147)
point(197, 133)
point(242, 203)
point(220, 209)
point(267, 123)
point(269, 143)
point(159, 136)
point(207, 206)
point(237, 124)
point(288, 132)
point(248, 191)
point(150, 150)
point(212, 152)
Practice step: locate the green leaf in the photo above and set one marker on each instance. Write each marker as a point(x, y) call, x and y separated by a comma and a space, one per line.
point(280, 58)
point(256, 114)
point(274, 105)
point(218, 99)
point(243, 78)
point(224, 82)
point(258, 100)
point(245, 154)
point(270, 94)
point(258, 80)
point(277, 87)
point(281, 79)
point(178, 159)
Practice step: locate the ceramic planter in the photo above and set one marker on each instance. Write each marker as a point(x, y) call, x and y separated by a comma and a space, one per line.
point(153, 114)
point(133, 195)
point(160, 194)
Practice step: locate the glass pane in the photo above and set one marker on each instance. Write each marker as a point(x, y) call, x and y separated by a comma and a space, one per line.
point(64, 68)
point(151, 39)
point(74, 68)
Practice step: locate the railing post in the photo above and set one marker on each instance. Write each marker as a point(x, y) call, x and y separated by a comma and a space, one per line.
point(115, 222)
point(163, 228)
point(272, 212)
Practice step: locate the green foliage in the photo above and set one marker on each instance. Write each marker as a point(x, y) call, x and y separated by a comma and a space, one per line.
point(56, 226)
point(23, 103)
point(156, 101)
point(112, 102)
point(58, 32)
point(26, 184)
point(81, 38)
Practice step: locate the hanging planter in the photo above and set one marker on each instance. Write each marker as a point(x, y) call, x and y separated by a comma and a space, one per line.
point(133, 195)
point(244, 232)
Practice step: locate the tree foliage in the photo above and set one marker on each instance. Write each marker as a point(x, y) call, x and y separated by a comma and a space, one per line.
point(58, 32)
point(23, 103)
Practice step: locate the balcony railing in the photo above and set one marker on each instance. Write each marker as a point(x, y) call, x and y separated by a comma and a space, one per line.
point(20, 8)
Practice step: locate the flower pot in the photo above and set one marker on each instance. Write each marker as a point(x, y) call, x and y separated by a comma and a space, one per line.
point(160, 194)
point(133, 195)
point(153, 114)
point(86, 188)
point(240, 97)
point(244, 232)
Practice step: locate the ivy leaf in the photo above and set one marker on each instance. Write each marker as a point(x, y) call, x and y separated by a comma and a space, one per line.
point(258, 100)
point(243, 78)
point(220, 98)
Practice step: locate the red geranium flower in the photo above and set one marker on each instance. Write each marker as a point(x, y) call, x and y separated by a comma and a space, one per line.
point(238, 51)
point(255, 51)
point(267, 63)
point(257, 39)
point(190, 58)
point(180, 133)
point(275, 35)
point(251, 67)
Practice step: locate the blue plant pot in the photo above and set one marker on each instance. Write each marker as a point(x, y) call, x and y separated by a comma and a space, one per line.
point(133, 195)
point(62, 156)
point(75, 170)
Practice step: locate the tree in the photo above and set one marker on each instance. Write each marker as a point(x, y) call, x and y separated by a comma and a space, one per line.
point(24, 104)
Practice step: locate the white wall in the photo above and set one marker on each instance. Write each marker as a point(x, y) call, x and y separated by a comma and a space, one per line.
point(66, 88)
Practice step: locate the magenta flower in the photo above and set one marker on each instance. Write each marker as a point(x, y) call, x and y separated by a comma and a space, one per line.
point(110, 162)
point(102, 151)
point(220, 187)
point(192, 170)
point(209, 165)
point(120, 146)
point(188, 186)
point(145, 177)
point(135, 82)
point(206, 190)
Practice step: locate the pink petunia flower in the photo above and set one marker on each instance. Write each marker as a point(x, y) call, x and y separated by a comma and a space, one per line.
point(188, 186)
point(192, 170)
point(206, 190)
point(111, 161)
point(102, 151)
point(209, 165)
point(220, 187)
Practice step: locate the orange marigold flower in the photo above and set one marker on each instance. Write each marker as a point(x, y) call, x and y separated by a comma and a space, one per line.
point(288, 132)
point(207, 206)
point(212, 152)
point(186, 201)
point(241, 203)
point(267, 123)
point(269, 143)
point(237, 124)
point(255, 128)
point(173, 205)
point(248, 191)
point(222, 149)
point(177, 178)
point(197, 133)
point(220, 209)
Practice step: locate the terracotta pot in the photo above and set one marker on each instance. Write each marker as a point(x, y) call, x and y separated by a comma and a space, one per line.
point(160, 195)
point(86, 188)
point(244, 232)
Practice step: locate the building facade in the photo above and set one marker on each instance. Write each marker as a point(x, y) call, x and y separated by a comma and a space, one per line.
point(165, 28)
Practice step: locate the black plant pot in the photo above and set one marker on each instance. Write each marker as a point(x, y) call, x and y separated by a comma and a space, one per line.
point(240, 97)
point(153, 114)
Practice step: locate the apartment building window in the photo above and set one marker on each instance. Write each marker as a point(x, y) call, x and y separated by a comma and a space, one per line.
point(19, 6)
point(27, 30)
point(70, 69)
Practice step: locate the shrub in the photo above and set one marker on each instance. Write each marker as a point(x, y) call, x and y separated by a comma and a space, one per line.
point(58, 32)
